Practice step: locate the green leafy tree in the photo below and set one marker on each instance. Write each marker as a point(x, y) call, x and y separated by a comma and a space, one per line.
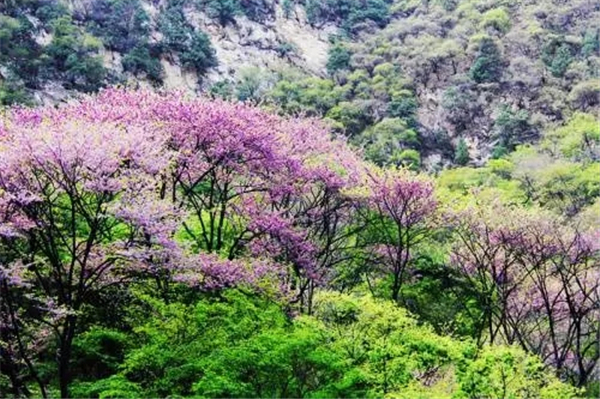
point(299, 94)
point(404, 106)
point(351, 14)
point(496, 18)
point(286, 49)
point(222, 89)
point(199, 55)
point(591, 42)
point(144, 59)
point(409, 158)
point(122, 24)
point(578, 139)
point(461, 104)
point(339, 58)
point(386, 140)
point(224, 11)
point(19, 51)
point(192, 46)
point(12, 93)
point(487, 66)
point(512, 127)
point(47, 10)
point(241, 345)
point(462, 153)
point(351, 117)
point(72, 56)
point(500, 372)
point(561, 60)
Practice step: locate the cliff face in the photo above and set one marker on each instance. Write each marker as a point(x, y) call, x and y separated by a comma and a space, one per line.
point(263, 44)
point(271, 44)
point(274, 43)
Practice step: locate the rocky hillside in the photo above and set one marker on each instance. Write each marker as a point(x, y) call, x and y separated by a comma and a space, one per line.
point(413, 82)
point(178, 44)
point(492, 73)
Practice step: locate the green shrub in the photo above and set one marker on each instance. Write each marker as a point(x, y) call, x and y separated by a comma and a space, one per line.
point(122, 24)
point(557, 54)
point(487, 66)
point(192, 46)
point(509, 372)
point(410, 159)
point(512, 127)
point(387, 139)
point(561, 61)
point(350, 14)
point(18, 49)
point(339, 58)
point(591, 42)
point(462, 153)
point(286, 49)
point(352, 117)
point(72, 56)
point(13, 93)
point(143, 59)
point(496, 18)
point(223, 11)
point(49, 10)
point(222, 89)
point(403, 106)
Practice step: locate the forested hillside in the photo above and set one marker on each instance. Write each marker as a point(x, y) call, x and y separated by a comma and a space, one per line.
point(419, 83)
point(299, 199)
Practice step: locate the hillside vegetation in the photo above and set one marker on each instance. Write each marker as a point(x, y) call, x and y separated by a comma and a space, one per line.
point(485, 75)
point(343, 198)
point(153, 245)
point(410, 81)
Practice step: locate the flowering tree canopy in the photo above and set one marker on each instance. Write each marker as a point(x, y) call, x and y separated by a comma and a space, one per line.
point(162, 194)
point(539, 281)
point(136, 183)
point(399, 211)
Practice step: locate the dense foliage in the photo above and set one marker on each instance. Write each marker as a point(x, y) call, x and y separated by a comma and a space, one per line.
point(421, 219)
point(45, 41)
point(462, 81)
point(154, 245)
point(483, 75)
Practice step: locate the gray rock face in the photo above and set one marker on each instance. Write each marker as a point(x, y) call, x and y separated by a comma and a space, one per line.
point(248, 43)
point(271, 44)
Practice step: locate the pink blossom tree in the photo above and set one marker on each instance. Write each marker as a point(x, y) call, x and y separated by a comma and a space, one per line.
point(137, 183)
point(399, 211)
point(538, 281)
point(77, 203)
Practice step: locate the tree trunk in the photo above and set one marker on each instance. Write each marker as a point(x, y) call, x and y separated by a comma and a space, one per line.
point(396, 287)
point(64, 357)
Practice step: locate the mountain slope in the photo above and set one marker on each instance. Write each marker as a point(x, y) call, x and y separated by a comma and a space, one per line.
point(176, 43)
point(410, 81)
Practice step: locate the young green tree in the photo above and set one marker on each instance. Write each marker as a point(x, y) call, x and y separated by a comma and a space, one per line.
point(192, 46)
point(339, 58)
point(223, 11)
point(488, 64)
point(512, 127)
point(461, 156)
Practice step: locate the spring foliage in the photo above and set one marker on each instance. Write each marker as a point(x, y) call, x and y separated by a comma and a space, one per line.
point(170, 208)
